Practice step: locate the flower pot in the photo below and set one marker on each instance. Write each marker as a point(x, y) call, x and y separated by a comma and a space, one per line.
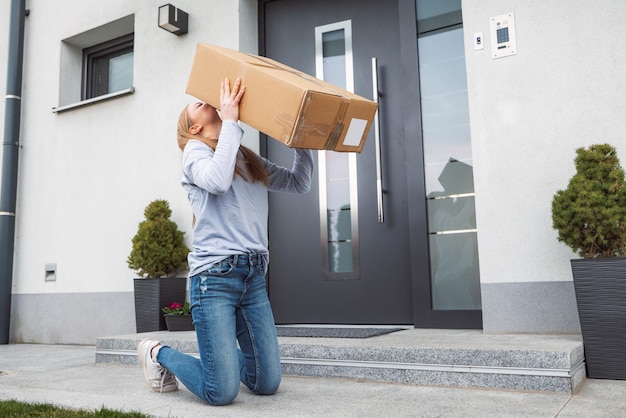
point(179, 323)
point(151, 295)
point(600, 285)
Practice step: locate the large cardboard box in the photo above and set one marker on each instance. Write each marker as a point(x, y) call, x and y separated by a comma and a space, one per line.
point(285, 104)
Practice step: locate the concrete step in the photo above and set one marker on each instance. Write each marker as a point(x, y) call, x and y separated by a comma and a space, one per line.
point(454, 358)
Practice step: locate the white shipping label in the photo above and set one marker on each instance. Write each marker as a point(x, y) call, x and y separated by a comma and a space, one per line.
point(355, 132)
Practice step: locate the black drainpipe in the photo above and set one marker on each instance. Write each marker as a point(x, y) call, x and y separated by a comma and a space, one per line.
point(10, 148)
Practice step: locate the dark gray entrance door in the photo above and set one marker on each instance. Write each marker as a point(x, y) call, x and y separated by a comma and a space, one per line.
point(355, 249)
point(335, 262)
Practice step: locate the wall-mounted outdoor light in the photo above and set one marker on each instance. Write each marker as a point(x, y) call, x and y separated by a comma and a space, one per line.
point(173, 19)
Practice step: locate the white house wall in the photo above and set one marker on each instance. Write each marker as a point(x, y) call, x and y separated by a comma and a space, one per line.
point(86, 174)
point(563, 89)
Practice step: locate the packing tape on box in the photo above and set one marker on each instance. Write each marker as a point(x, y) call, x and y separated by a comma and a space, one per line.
point(338, 125)
point(302, 128)
point(300, 74)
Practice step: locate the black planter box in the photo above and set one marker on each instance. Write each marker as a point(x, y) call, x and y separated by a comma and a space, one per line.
point(600, 285)
point(179, 323)
point(151, 295)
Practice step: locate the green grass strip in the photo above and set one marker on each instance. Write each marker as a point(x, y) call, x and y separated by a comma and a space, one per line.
point(16, 409)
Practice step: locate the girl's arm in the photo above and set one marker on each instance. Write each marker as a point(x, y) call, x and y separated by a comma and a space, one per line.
point(209, 170)
point(296, 180)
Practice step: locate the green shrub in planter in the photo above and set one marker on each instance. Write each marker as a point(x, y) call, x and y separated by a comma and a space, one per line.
point(590, 214)
point(590, 217)
point(158, 253)
point(158, 249)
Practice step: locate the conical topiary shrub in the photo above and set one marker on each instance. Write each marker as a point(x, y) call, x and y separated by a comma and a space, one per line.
point(590, 214)
point(590, 217)
point(158, 253)
point(158, 249)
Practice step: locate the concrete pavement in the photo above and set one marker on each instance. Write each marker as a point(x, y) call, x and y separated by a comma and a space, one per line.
point(68, 376)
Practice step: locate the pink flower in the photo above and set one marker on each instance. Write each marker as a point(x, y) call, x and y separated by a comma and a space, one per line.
point(176, 308)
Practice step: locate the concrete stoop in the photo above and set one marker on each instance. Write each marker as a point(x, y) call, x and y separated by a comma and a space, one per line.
point(454, 358)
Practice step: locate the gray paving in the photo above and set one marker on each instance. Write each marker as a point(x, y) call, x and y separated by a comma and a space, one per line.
point(69, 376)
point(463, 358)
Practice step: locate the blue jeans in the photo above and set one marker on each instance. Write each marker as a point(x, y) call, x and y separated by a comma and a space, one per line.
point(229, 304)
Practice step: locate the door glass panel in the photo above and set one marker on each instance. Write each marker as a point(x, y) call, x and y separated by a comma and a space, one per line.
point(334, 56)
point(337, 171)
point(455, 280)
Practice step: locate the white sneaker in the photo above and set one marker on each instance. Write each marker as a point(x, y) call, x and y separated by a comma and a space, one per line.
point(157, 376)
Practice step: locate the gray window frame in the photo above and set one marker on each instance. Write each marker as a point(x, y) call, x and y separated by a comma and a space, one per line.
point(95, 80)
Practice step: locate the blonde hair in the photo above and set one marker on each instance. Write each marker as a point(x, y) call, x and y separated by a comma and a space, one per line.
point(256, 169)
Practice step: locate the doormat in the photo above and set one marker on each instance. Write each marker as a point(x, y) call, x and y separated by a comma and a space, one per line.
point(333, 332)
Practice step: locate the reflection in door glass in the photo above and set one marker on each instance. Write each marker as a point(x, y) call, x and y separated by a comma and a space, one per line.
point(334, 57)
point(455, 280)
point(337, 171)
point(338, 209)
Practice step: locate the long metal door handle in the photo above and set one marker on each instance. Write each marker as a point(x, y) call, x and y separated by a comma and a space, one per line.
point(379, 175)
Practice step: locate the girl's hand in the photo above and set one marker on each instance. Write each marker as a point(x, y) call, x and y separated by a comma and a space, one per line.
point(229, 99)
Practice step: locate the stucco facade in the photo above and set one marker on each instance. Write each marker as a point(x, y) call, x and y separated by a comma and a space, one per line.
point(86, 174)
point(528, 114)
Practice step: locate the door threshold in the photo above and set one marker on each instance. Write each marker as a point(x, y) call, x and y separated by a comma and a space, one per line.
point(344, 326)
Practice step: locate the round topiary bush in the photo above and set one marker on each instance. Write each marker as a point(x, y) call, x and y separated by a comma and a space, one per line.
point(590, 214)
point(158, 249)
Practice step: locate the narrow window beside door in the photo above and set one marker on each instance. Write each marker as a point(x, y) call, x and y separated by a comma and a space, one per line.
point(455, 281)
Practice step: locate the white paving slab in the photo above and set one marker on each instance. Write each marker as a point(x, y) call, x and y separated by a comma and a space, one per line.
point(68, 376)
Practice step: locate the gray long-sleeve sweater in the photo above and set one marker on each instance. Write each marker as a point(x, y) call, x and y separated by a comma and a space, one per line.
point(231, 213)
